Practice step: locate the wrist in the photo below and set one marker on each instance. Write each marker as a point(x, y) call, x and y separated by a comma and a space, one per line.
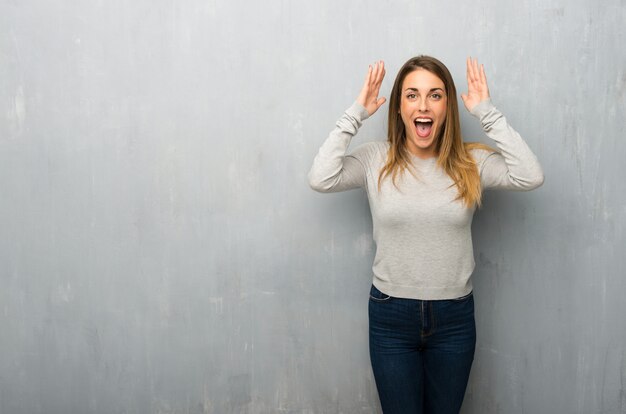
point(358, 111)
point(482, 108)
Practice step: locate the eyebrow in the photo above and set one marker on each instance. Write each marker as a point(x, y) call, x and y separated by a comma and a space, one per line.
point(416, 90)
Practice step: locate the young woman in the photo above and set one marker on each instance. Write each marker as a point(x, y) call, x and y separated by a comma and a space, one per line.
point(423, 185)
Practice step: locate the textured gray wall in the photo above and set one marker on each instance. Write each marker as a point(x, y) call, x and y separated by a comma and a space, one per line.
point(161, 251)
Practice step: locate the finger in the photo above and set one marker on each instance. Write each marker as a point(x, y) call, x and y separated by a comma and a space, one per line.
point(483, 78)
point(380, 102)
point(374, 75)
point(467, 72)
point(379, 78)
point(371, 92)
point(376, 92)
point(381, 74)
point(473, 74)
point(376, 80)
point(476, 71)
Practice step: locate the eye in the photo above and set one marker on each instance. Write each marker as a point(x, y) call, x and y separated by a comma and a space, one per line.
point(436, 96)
point(411, 96)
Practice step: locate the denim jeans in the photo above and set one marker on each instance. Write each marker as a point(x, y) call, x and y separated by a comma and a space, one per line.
point(421, 352)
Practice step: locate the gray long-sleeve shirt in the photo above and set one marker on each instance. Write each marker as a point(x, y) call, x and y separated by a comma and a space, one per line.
point(423, 237)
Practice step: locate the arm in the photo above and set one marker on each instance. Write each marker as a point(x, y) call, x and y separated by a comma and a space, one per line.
point(516, 168)
point(332, 169)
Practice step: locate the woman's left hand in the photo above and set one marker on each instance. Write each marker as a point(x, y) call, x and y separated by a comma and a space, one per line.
point(477, 89)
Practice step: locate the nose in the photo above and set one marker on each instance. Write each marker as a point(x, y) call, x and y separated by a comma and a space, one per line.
point(422, 105)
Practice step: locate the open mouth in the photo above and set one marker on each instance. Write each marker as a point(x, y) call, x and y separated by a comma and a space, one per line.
point(423, 126)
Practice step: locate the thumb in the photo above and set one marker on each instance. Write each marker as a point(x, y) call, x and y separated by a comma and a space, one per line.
point(380, 102)
point(464, 97)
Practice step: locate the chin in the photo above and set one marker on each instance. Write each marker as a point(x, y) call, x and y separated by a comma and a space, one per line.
point(423, 144)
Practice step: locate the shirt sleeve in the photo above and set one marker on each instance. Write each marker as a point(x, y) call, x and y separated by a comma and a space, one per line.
point(516, 167)
point(332, 169)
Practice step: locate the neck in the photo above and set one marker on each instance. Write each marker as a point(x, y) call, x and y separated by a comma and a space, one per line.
point(424, 155)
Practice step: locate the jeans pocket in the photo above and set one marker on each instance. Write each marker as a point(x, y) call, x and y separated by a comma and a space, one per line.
point(378, 296)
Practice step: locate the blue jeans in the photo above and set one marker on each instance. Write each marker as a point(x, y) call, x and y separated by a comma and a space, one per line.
point(421, 352)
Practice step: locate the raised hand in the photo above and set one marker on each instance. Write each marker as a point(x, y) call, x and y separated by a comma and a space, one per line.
point(477, 89)
point(369, 93)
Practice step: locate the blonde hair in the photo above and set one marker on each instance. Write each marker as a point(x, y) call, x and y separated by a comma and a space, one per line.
point(453, 155)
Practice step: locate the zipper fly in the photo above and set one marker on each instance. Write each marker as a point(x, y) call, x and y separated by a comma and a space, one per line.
point(426, 318)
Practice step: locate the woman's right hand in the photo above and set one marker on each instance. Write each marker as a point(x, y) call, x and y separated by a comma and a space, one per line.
point(369, 93)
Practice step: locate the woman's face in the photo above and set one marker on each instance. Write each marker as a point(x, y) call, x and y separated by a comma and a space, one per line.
point(423, 105)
